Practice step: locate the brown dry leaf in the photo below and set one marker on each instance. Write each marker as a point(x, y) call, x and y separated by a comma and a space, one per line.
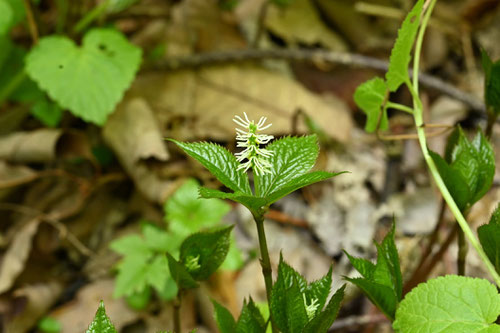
point(132, 132)
point(78, 314)
point(12, 175)
point(15, 258)
point(26, 147)
point(300, 22)
point(36, 300)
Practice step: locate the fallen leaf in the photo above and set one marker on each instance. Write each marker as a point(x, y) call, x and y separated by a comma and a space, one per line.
point(27, 147)
point(16, 255)
point(13, 175)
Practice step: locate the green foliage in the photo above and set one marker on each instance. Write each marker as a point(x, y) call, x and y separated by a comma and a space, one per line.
point(139, 300)
point(144, 264)
point(49, 325)
point(115, 6)
point(468, 169)
point(370, 97)
point(401, 52)
point(180, 274)
point(48, 112)
point(381, 282)
point(297, 306)
point(209, 249)
point(292, 159)
point(450, 304)
point(101, 322)
point(489, 236)
point(88, 80)
point(250, 321)
point(491, 82)
point(6, 16)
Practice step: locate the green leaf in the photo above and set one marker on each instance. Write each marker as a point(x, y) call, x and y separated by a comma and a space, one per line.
point(296, 314)
point(300, 182)
point(324, 320)
point(249, 201)
point(401, 52)
point(132, 276)
point(489, 237)
point(158, 240)
point(293, 157)
point(491, 82)
point(220, 162)
point(49, 325)
point(320, 289)
point(158, 272)
point(88, 80)
point(370, 97)
point(139, 300)
point(48, 112)
point(210, 249)
point(251, 320)
point(234, 259)
point(224, 319)
point(382, 282)
point(101, 322)
point(450, 304)
point(187, 214)
point(6, 16)
point(486, 159)
point(181, 276)
point(131, 245)
point(18, 12)
point(455, 182)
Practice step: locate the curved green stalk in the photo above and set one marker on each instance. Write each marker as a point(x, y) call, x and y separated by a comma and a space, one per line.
point(418, 116)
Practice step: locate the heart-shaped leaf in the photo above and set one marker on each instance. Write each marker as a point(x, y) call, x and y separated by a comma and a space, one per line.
point(370, 97)
point(88, 80)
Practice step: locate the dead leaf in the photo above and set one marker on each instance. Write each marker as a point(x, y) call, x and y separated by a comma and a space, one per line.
point(76, 315)
point(26, 147)
point(15, 258)
point(13, 175)
point(300, 22)
point(35, 301)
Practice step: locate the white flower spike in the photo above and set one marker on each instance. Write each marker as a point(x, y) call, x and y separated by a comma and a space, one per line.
point(311, 308)
point(250, 139)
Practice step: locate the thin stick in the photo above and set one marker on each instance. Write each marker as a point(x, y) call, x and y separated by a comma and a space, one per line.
point(31, 22)
point(177, 312)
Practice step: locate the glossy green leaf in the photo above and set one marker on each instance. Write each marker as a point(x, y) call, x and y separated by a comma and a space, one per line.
point(320, 289)
point(181, 276)
point(6, 16)
point(324, 320)
point(249, 201)
point(300, 182)
point(220, 162)
point(491, 82)
point(293, 157)
point(101, 322)
point(381, 282)
point(251, 320)
point(209, 249)
point(489, 236)
point(450, 304)
point(486, 159)
point(88, 80)
point(370, 97)
point(397, 73)
point(224, 319)
point(296, 314)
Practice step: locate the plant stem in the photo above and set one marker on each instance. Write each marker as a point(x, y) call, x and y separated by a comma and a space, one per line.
point(31, 22)
point(12, 85)
point(91, 16)
point(265, 262)
point(418, 116)
point(492, 118)
point(397, 106)
point(462, 253)
point(177, 312)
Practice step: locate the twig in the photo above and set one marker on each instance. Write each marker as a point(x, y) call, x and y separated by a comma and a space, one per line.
point(31, 22)
point(283, 218)
point(314, 56)
point(63, 230)
point(357, 321)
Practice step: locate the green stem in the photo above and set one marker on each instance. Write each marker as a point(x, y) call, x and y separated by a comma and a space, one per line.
point(13, 84)
point(399, 107)
point(177, 312)
point(418, 116)
point(462, 253)
point(492, 118)
point(91, 16)
point(265, 261)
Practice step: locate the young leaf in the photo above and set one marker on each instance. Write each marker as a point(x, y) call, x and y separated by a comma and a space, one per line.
point(320, 289)
point(209, 249)
point(382, 282)
point(101, 322)
point(324, 320)
point(251, 320)
point(489, 236)
point(102, 68)
point(401, 52)
point(293, 157)
point(224, 319)
point(181, 276)
point(491, 82)
point(220, 162)
point(450, 304)
point(249, 201)
point(370, 97)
